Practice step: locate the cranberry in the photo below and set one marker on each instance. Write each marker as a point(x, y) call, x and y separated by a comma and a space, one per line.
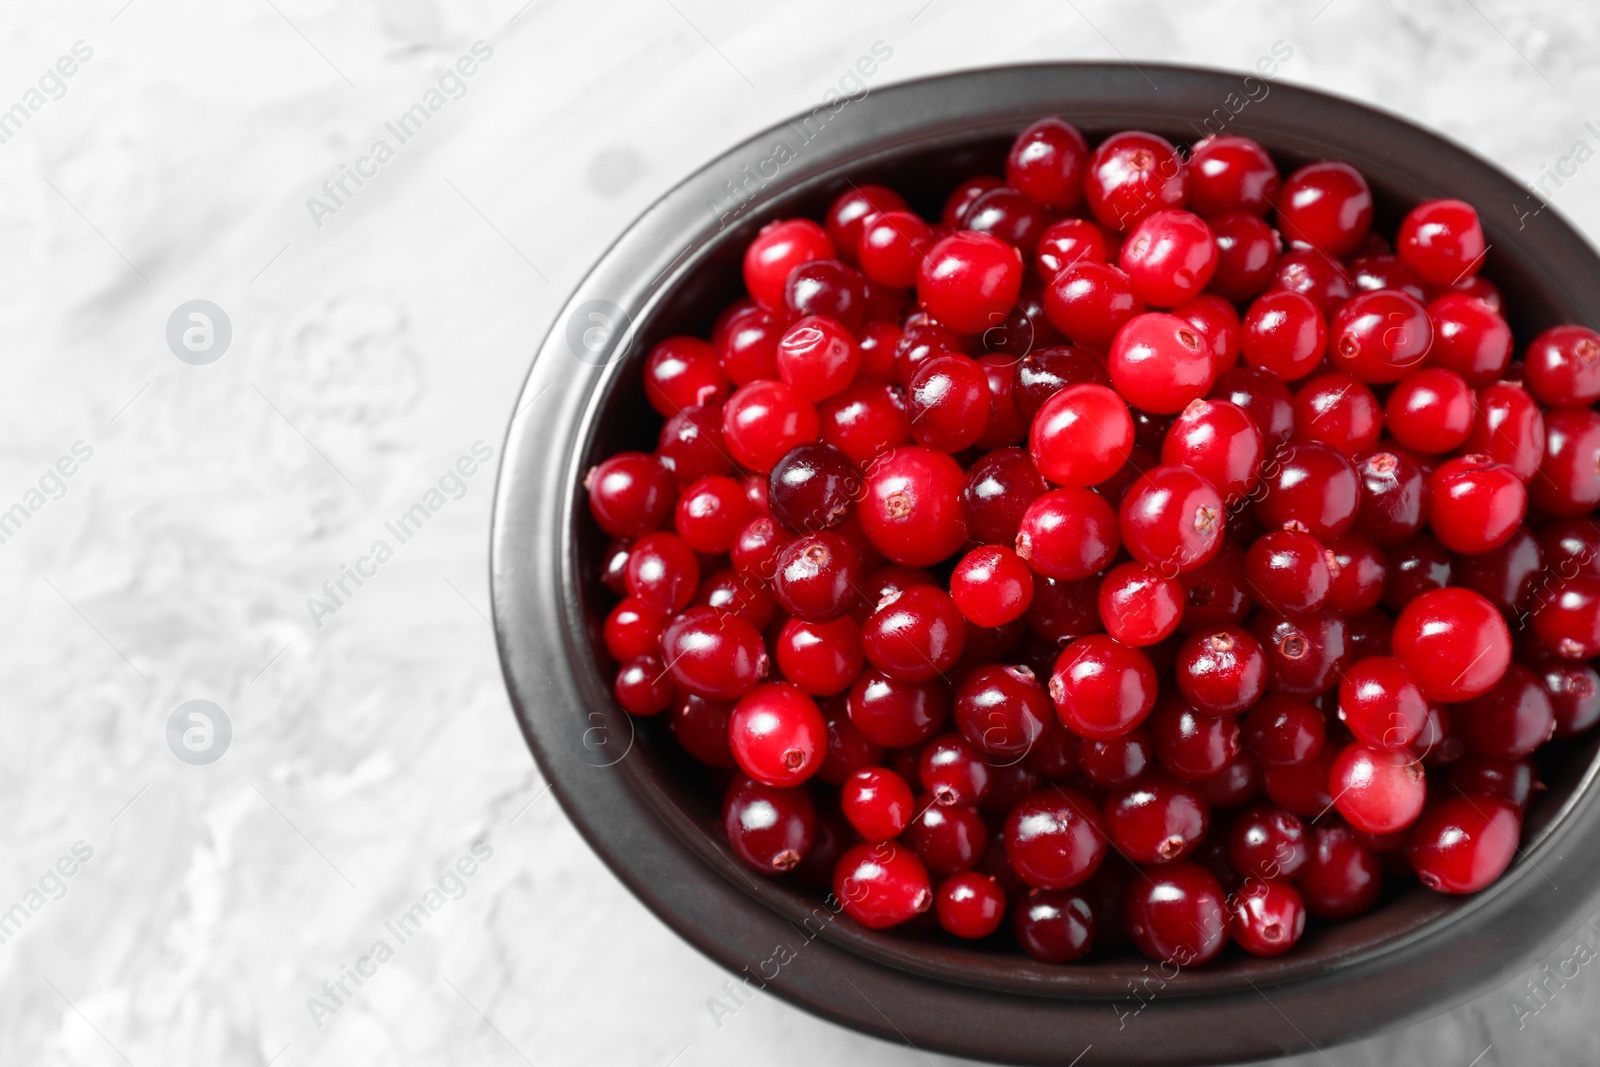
point(955, 207)
point(895, 713)
point(1418, 566)
point(1055, 839)
point(1267, 918)
point(1283, 731)
point(1442, 240)
point(998, 491)
point(1509, 575)
point(1170, 256)
point(916, 635)
point(811, 487)
point(1358, 571)
point(1267, 842)
point(1189, 744)
point(1101, 688)
point(1067, 241)
point(1221, 442)
point(1047, 162)
point(1217, 592)
point(1380, 337)
point(1068, 534)
point(777, 250)
point(854, 208)
point(865, 420)
point(1431, 411)
point(1310, 485)
point(1571, 547)
point(821, 658)
point(1342, 877)
point(1089, 302)
point(1157, 819)
point(770, 829)
point(1172, 519)
point(848, 750)
point(968, 281)
point(1454, 643)
point(946, 838)
point(1465, 842)
point(1395, 496)
point(1477, 504)
point(1386, 271)
point(1247, 256)
point(1231, 173)
point(1568, 482)
point(764, 420)
point(1008, 214)
point(1283, 333)
point(1055, 927)
point(748, 346)
point(1513, 780)
point(829, 290)
point(1177, 914)
point(1469, 338)
point(1316, 276)
point(881, 884)
point(1131, 175)
point(1382, 703)
point(642, 686)
point(777, 734)
point(1160, 363)
point(691, 445)
point(1004, 426)
point(1378, 790)
point(683, 372)
point(891, 247)
point(1289, 572)
point(1567, 618)
point(730, 592)
point(817, 576)
point(1002, 711)
point(992, 586)
point(712, 654)
point(817, 357)
point(1221, 671)
point(1081, 436)
point(910, 508)
point(630, 494)
point(1563, 366)
point(1510, 720)
point(953, 773)
point(948, 402)
point(1305, 653)
point(878, 803)
point(1139, 605)
point(755, 551)
point(633, 629)
point(1574, 690)
point(701, 727)
point(1327, 206)
point(1338, 411)
point(663, 572)
point(1264, 398)
point(970, 904)
point(1115, 762)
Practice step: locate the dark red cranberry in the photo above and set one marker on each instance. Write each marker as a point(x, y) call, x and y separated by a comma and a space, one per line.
point(1513, 780)
point(1267, 917)
point(713, 654)
point(771, 829)
point(1247, 256)
point(947, 402)
point(1315, 275)
point(630, 494)
point(1395, 496)
point(1306, 654)
point(755, 551)
point(729, 591)
point(881, 884)
point(1327, 206)
point(999, 488)
point(1566, 618)
point(1510, 720)
point(1055, 927)
point(1062, 612)
point(701, 727)
point(1177, 914)
point(1508, 575)
point(1342, 877)
point(1283, 731)
point(643, 687)
point(1386, 271)
point(663, 572)
point(1267, 842)
point(1002, 711)
point(970, 904)
point(1010, 215)
point(1568, 482)
point(1055, 839)
point(1139, 605)
point(1358, 571)
point(1571, 547)
point(1221, 671)
point(1309, 485)
point(1231, 173)
point(747, 347)
point(614, 566)
point(1289, 572)
point(848, 750)
point(1004, 427)
point(896, 713)
point(1101, 688)
point(916, 635)
point(947, 838)
point(1574, 690)
point(1189, 744)
point(1043, 372)
point(1115, 762)
point(1047, 162)
point(1454, 643)
point(1089, 302)
point(828, 289)
point(817, 576)
point(1157, 819)
point(1264, 398)
point(1217, 593)
point(812, 487)
point(691, 445)
point(1563, 366)
point(1464, 842)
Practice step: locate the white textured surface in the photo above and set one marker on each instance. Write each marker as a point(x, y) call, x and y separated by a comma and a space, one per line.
point(368, 356)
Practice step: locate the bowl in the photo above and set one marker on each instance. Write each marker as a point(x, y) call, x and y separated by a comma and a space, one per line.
point(635, 798)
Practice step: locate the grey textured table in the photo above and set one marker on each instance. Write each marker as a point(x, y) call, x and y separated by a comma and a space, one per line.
point(218, 536)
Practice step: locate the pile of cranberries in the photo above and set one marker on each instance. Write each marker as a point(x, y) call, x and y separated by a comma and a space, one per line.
point(1144, 547)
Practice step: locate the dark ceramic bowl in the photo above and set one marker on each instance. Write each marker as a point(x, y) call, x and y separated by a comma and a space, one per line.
point(655, 821)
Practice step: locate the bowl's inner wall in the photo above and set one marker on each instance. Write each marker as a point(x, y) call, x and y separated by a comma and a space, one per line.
point(925, 176)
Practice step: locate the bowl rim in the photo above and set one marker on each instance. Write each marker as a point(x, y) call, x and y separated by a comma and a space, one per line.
point(537, 607)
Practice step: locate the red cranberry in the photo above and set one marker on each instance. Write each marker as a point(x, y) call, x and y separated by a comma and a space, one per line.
point(1160, 363)
point(1172, 519)
point(777, 734)
point(1342, 877)
point(1047, 162)
point(817, 357)
point(701, 727)
point(1477, 504)
point(1219, 441)
point(1157, 819)
point(1509, 575)
point(1139, 605)
point(848, 750)
point(712, 654)
point(1571, 547)
point(1089, 302)
point(915, 636)
point(1267, 918)
point(953, 773)
point(1312, 486)
point(825, 289)
point(822, 658)
point(1067, 241)
point(764, 420)
point(1442, 240)
point(748, 346)
point(663, 572)
point(1386, 271)
point(1379, 790)
point(1338, 411)
point(1327, 206)
point(1055, 839)
point(691, 445)
point(1513, 780)
point(630, 494)
point(1102, 688)
point(1062, 612)
point(895, 713)
point(999, 488)
point(1382, 703)
point(1055, 927)
point(1004, 426)
point(946, 838)
point(1002, 711)
point(1358, 571)
point(1469, 338)
point(1283, 731)
point(1465, 842)
point(1567, 618)
point(881, 884)
point(891, 247)
point(1177, 914)
point(633, 629)
point(853, 208)
point(1231, 173)
point(755, 551)
point(1574, 690)
point(1221, 671)
point(970, 904)
point(1454, 643)
point(642, 686)
point(1306, 654)
point(777, 250)
point(683, 372)
point(1131, 175)
point(1508, 722)
point(1320, 278)
point(1170, 255)
point(817, 577)
point(1568, 482)
point(1081, 436)
point(729, 591)
point(1419, 566)
point(1267, 842)
point(878, 803)
point(1563, 366)
point(811, 487)
point(1431, 411)
point(992, 586)
point(1247, 256)
point(1216, 593)
point(1115, 762)
point(1264, 398)
point(910, 508)
point(948, 402)
point(770, 829)
point(1380, 337)
point(1068, 534)
point(1289, 572)
point(1189, 744)
point(1283, 333)
point(968, 281)
point(1008, 214)
point(865, 420)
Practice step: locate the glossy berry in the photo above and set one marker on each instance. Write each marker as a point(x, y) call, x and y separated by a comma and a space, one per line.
point(817, 357)
point(1067, 241)
point(1568, 482)
point(1508, 722)
point(1284, 333)
point(1567, 618)
point(747, 347)
point(1382, 703)
point(1157, 819)
point(1008, 214)
point(711, 513)
point(1264, 397)
point(1396, 496)
point(1380, 337)
point(1160, 363)
point(853, 208)
point(953, 773)
point(1047, 163)
point(712, 654)
point(691, 447)
point(1219, 441)
point(1055, 927)
point(915, 635)
point(992, 586)
point(1283, 731)
point(777, 250)
point(1055, 839)
point(1221, 671)
point(1172, 519)
point(1170, 256)
point(948, 402)
point(1454, 643)
point(1231, 173)
point(968, 281)
point(1068, 534)
point(822, 658)
point(1477, 504)
point(1101, 688)
point(1247, 256)
point(1177, 915)
point(1139, 605)
point(764, 420)
point(1338, 411)
point(1090, 301)
point(895, 713)
point(770, 829)
point(777, 734)
point(910, 507)
point(891, 247)
point(1189, 744)
point(812, 487)
point(1327, 206)
point(1130, 176)
point(1267, 917)
point(825, 289)
point(1266, 842)
point(816, 576)
point(1305, 653)
point(630, 494)
point(1442, 241)
point(947, 838)
point(1002, 711)
point(1081, 435)
point(643, 686)
point(1378, 790)
point(998, 490)
point(881, 884)
point(1342, 877)
point(663, 572)
point(878, 803)
point(1431, 411)
point(1464, 842)
point(970, 904)
point(1311, 486)
point(683, 372)
point(1288, 572)
point(1563, 366)
point(1469, 338)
